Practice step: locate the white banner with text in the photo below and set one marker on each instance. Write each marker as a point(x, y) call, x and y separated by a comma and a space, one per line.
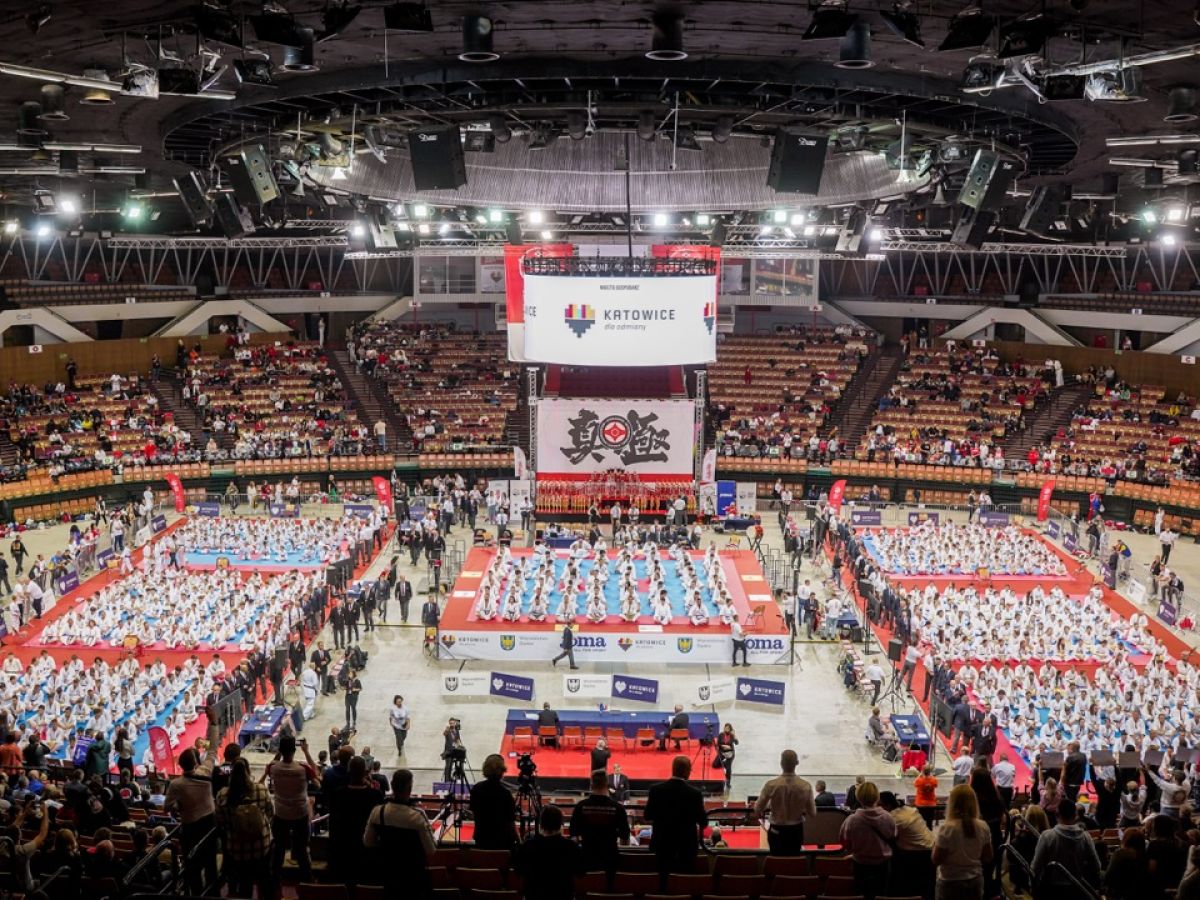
point(646, 437)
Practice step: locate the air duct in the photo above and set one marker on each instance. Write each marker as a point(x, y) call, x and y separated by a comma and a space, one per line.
point(855, 49)
point(666, 45)
point(1181, 105)
point(477, 35)
point(95, 96)
point(53, 101)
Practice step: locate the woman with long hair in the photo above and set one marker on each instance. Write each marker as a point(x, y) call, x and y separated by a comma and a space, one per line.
point(244, 813)
point(992, 811)
point(962, 847)
point(124, 749)
point(726, 751)
point(1027, 827)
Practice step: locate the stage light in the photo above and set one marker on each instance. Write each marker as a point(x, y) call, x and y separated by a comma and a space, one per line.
point(11, 228)
point(722, 129)
point(855, 49)
point(68, 206)
point(903, 23)
point(477, 34)
point(96, 96)
point(981, 75)
point(402, 226)
point(301, 58)
point(876, 234)
point(358, 230)
point(765, 229)
point(423, 228)
point(577, 125)
point(660, 220)
point(500, 130)
point(797, 218)
point(1168, 239)
point(53, 102)
point(779, 216)
point(420, 210)
point(647, 125)
point(495, 216)
point(133, 212)
point(536, 217)
point(1149, 216)
point(787, 232)
point(1181, 105)
point(481, 218)
point(703, 220)
point(829, 21)
point(444, 229)
point(43, 231)
point(1174, 213)
point(810, 230)
point(968, 29)
point(547, 235)
point(666, 44)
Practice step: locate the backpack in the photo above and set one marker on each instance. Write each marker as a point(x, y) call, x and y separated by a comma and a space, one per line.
point(246, 823)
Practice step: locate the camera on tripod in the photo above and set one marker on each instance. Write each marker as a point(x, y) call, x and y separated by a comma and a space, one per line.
point(526, 769)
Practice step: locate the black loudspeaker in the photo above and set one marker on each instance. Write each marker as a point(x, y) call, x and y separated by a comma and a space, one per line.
point(381, 234)
point(855, 633)
point(987, 181)
point(972, 227)
point(234, 221)
point(1027, 296)
point(797, 161)
point(895, 650)
point(939, 715)
point(195, 198)
point(852, 238)
point(253, 183)
point(437, 159)
point(1042, 209)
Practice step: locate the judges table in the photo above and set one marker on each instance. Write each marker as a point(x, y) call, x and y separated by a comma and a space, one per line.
point(700, 725)
point(560, 543)
point(737, 523)
point(261, 726)
point(911, 730)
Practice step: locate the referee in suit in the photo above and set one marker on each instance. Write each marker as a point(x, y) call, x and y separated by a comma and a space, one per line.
point(675, 811)
point(618, 784)
point(404, 595)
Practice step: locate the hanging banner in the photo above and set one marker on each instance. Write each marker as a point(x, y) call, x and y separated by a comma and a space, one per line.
point(383, 491)
point(836, 494)
point(618, 321)
point(1044, 497)
point(644, 437)
point(629, 687)
point(757, 690)
point(515, 687)
point(587, 686)
point(177, 491)
point(708, 468)
point(719, 690)
point(520, 464)
point(160, 748)
point(491, 274)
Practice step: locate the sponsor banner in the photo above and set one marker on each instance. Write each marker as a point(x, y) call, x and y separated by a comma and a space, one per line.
point(1109, 576)
point(756, 690)
point(104, 557)
point(1070, 544)
point(520, 464)
point(518, 492)
point(467, 684)
point(1053, 530)
point(383, 491)
point(726, 495)
point(1137, 592)
point(81, 749)
point(836, 493)
point(590, 686)
point(1168, 612)
point(630, 687)
point(515, 687)
point(866, 517)
point(209, 508)
point(160, 748)
point(1045, 495)
point(159, 523)
point(747, 499)
point(708, 467)
point(285, 510)
point(620, 321)
point(609, 646)
point(491, 274)
point(992, 517)
point(364, 510)
point(177, 491)
point(68, 580)
point(646, 437)
point(719, 690)
point(920, 518)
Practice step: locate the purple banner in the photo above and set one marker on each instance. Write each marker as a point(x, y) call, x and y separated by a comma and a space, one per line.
point(285, 510)
point(103, 557)
point(629, 687)
point(920, 518)
point(759, 691)
point(358, 509)
point(992, 517)
point(516, 687)
point(866, 517)
point(1053, 529)
point(209, 508)
point(158, 523)
point(1168, 612)
point(1109, 576)
point(81, 749)
point(1069, 543)
point(68, 580)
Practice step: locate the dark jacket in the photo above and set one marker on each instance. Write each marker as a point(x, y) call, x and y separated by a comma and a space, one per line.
point(675, 810)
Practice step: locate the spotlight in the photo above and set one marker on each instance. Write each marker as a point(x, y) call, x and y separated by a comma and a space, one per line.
point(765, 230)
point(876, 234)
point(43, 231)
point(480, 218)
point(1168, 239)
point(495, 216)
point(855, 49)
point(358, 230)
point(1149, 216)
point(53, 102)
point(779, 216)
point(969, 29)
point(11, 228)
point(96, 96)
point(301, 59)
point(797, 219)
point(660, 220)
point(547, 235)
point(722, 129)
point(133, 212)
point(253, 71)
point(39, 17)
point(703, 220)
point(810, 230)
point(28, 123)
point(422, 228)
point(477, 40)
point(444, 229)
point(68, 206)
point(536, 217)
point(420, 210)
point(576, 124)
point(1181, 105)
point(830, 20)
point(666, 44)
point(647, 125)
point(903, 23)
point(500, 130)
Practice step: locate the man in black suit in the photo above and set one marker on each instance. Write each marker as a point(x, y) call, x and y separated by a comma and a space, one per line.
point(567, 645)
point(678, 720)
point(430, 614)
point(337, 621)
point(675, 811)
point(600, 756)
point(404, 594)
point(618, 784)
point(983, 741)
point(548, 718)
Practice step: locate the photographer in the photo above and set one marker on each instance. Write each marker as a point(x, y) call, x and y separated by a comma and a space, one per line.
point(452, 746)
point(290, 781)
point(493, 807)
point(726, 750)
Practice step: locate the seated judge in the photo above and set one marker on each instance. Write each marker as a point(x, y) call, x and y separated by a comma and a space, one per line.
point(549, 718)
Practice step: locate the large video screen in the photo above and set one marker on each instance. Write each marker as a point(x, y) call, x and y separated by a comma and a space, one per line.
point(647, 437)
point(597, 321)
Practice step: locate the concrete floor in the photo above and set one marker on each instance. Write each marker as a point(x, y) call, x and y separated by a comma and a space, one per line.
point(820, 720)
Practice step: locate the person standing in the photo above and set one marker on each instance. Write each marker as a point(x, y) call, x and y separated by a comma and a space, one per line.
point(353, 689)
point(1166, 540)
point(404, 864)
point(618, 784)
point(867, 835)
point(567, 645)
point(321, 660)
point(1073, 771)
point(548, 862)
point(738, 635)
point(1068, 844)
point(874, 674)
point(310, 686)
point(243, 813)
point(925, 786)
point(350, 806)
point(190, 799)
point(398, 719)
point(600, 824)
point(17, 549)
point(962, 847)
point(726, 751)
point(404, 595)
point(600, 756)
point(4, 575)
point(290, 782)
point(789, 801)
point(494, 808)
point(675, 811)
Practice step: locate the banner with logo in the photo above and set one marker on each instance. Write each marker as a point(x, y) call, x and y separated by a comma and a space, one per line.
point(284, 510)
point(756, 690)
point(719, 690)
point(602, 321)
point(1052, 529)
point(208, 508)
point(920, 518)
point(491, 274)
point(68, 580)
point(177, 493)
point(837, 493)
point(160, 748)
point(104, 557)
point(383, 491)
point(587, 686)
point(1109, 576)
point(518, 492)
point(993, 518)
point(520, 464)
point(866, 517)
point(1137, 592)
point(726, 495)
point(630, 687)
point(467, 684)
point(747, 498)
point(159, 523)
point(1044, 497)
point(708, 467)
point(1168, 612)
point(1070, 543)
point(611, 646)
point(515, 687)
point(364, 510)
point(645, 437)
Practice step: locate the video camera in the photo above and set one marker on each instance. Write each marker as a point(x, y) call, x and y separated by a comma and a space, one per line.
point(526, 769)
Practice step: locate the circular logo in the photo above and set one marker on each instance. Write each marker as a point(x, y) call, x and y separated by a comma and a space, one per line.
point(614, 432)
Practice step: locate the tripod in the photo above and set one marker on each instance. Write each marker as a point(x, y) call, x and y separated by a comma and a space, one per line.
point(893, 692)
point(529, 805)
point(704, 753)
point(454, 809)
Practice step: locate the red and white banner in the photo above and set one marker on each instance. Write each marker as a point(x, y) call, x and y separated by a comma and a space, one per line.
point(520, 464)
point(708, 466)
point(1044, 497)
point(836, 493)
point(642, 437)
point(177, 493)
point(160, 749)
point(383, 492)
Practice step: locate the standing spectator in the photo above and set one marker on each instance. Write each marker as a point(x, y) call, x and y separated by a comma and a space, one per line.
point(912, 869)
point(15, 854)
point(350, 807)
point(17, 549)
point(962, 848)
point(1128, 869)
point(400, 835)
point(244, 811)
point(726, 752)
point(494, 808)
point(190, 799)
point(1004, 773)
point(867, 835)
point(290, 782)
point(548, 862)
point(789, 799)
point(1166, 539)
point(675, 810)
point(1068, 844)
point(353, 689)
point(926, 785)
point(991, 809)
point(398, 719)
point(600, 824)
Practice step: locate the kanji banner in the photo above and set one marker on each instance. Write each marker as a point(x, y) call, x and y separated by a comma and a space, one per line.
point(1044, 497)
point(836, 493)
point(383, 491)
point(176, 487)
point(645, 437)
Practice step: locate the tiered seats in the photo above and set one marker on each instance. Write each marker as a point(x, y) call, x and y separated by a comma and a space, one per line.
point(770, 395)
point(36, 294)
point(453, 389)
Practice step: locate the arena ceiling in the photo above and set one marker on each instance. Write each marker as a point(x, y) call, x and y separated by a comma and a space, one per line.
point(571, 105)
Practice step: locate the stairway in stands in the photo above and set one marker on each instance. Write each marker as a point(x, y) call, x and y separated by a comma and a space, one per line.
point(167, 390)
point(8, 450)
point(1046, 420)
point(371, 400)
point(516, 421)
point(852, 414)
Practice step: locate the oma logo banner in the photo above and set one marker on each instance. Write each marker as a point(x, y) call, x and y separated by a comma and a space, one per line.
point(590, 642)
point(773, 644)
